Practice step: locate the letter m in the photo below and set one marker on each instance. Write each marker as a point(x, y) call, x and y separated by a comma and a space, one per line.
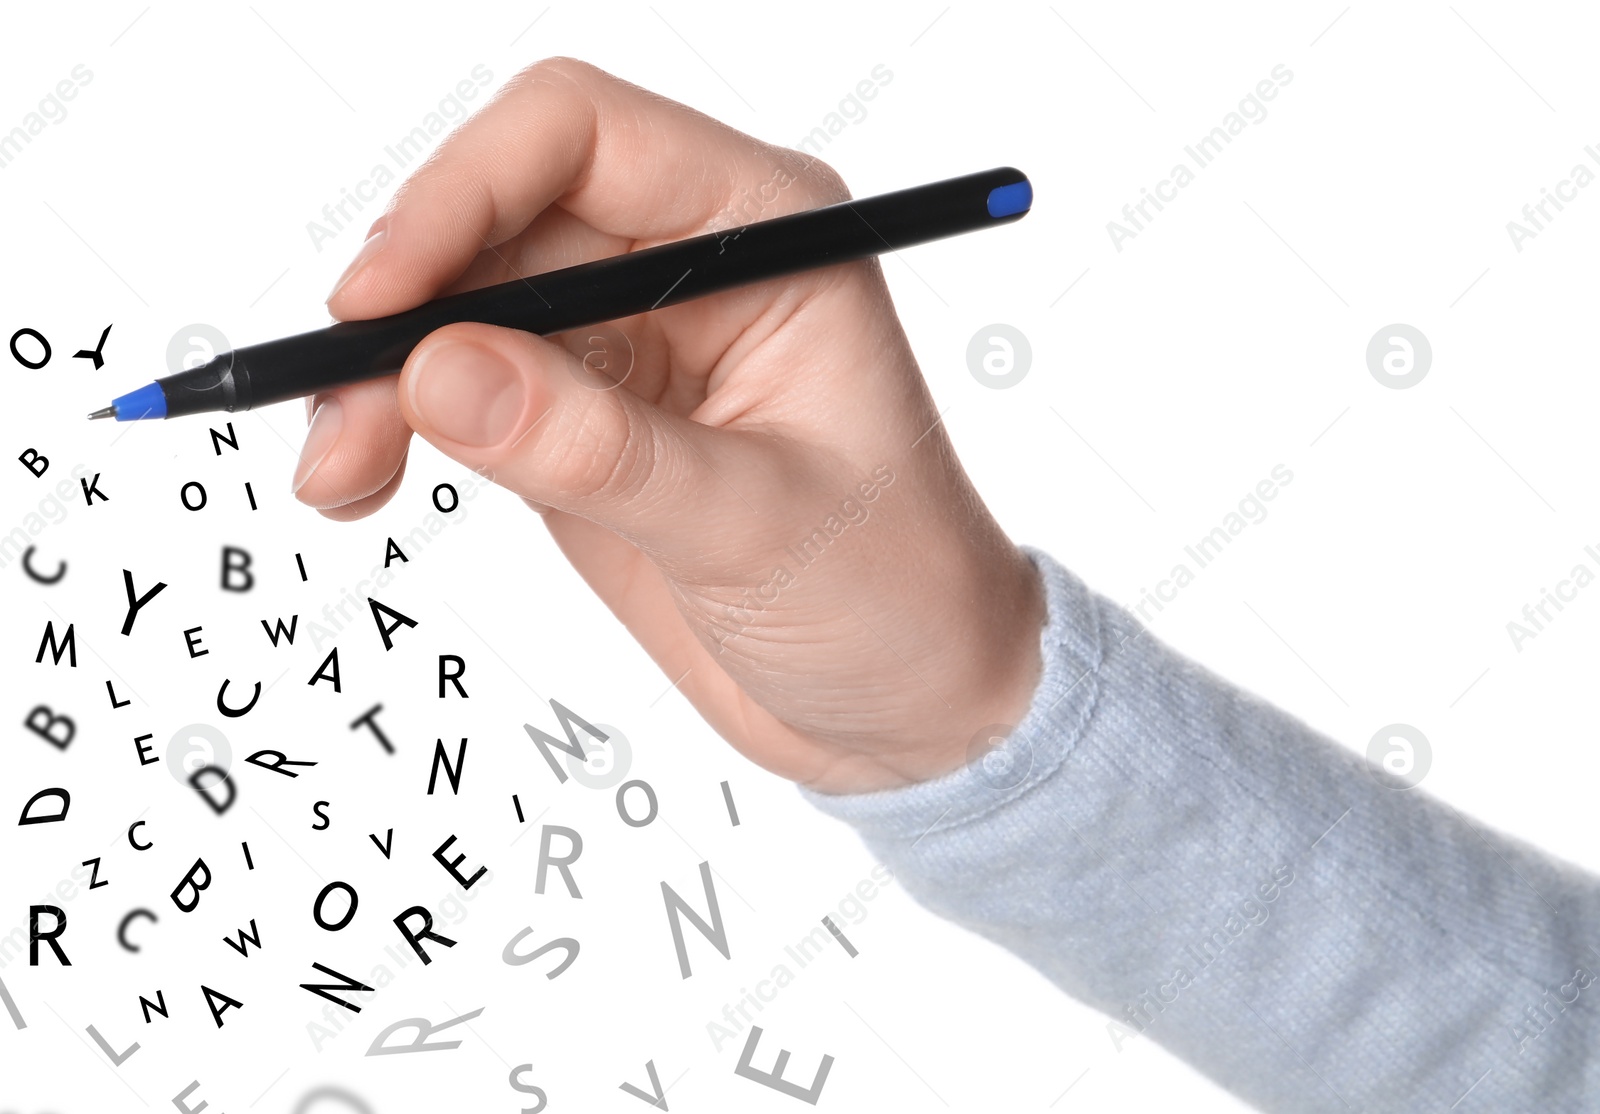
point(67, 645)
point(572, 746)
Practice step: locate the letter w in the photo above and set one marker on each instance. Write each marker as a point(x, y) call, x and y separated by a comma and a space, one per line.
point(282, 631)
point(245, 939)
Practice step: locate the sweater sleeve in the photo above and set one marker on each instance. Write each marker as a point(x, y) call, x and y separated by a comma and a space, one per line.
point(1210, 872)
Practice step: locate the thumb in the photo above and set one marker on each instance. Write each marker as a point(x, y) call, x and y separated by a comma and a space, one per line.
point(525, 413)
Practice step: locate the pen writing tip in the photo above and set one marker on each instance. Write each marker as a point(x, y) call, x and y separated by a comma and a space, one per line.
point(103, 412)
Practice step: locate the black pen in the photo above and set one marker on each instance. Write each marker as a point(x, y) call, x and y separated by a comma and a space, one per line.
point(587, 294)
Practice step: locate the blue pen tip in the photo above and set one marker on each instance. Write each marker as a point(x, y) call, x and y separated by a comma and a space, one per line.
point(149, 401)
point(1009, 200)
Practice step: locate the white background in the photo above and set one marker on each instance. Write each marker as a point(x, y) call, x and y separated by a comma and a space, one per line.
point(1229, 336)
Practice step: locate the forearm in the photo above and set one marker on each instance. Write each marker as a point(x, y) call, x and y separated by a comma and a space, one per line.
point(1211, 872)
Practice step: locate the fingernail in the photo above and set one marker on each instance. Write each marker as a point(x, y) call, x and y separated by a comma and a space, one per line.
point(372, 247)
point(468, 393)
point(320, 438)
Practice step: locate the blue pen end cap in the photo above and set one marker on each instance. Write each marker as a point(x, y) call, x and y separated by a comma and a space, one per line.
point(149, 401)
point(1009, 200)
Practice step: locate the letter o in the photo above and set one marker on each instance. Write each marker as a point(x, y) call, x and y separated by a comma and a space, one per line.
point(316, 908)
point(23, 360)
point(455, 499)
point(622, 803)
point(183, 495)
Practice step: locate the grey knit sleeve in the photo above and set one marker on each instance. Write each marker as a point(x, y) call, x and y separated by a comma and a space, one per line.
point(1211, 873)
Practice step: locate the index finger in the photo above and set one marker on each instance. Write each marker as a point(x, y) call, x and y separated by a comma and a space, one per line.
point(627, 162)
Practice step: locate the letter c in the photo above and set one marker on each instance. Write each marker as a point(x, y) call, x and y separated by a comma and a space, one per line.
point(135, 826)
point(122, 929)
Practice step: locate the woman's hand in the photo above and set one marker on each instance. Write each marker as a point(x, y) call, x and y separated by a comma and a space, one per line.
point(761, 491)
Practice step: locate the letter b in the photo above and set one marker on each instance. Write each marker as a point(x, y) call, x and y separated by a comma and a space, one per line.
point(236, 574)
point(33, 462)
point(45, 724)
point(190, 883)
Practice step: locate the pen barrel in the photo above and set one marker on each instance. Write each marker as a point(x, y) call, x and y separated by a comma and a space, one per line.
point(604, 290)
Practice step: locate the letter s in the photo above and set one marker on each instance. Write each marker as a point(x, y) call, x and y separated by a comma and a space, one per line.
point(526, 1088)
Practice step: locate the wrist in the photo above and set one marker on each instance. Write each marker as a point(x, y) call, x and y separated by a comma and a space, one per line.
point(982, 694)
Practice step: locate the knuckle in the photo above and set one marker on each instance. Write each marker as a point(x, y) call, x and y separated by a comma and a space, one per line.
point(559, 67)
point(824, 184)
point(828, 183)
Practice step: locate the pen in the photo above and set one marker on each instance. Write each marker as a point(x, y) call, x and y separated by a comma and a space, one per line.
point(588, 293)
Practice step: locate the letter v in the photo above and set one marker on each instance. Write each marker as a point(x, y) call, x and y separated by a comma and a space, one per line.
point(386, 845)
